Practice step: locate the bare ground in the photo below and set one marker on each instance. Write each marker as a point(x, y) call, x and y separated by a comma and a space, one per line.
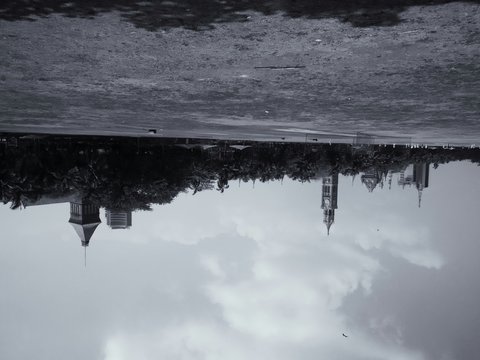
point(268, 76)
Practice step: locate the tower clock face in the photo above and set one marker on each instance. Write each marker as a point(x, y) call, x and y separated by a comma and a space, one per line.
point(327, 202)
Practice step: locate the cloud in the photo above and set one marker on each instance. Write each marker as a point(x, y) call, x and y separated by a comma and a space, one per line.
point(280, 284)
point(285, 305)
point(411, 242)
point(277, 291)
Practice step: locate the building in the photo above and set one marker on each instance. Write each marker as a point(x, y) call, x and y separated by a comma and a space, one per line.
point(118, 219)
point(418, 175)
point(329, 199)
point(84, 217)
point(406, 177)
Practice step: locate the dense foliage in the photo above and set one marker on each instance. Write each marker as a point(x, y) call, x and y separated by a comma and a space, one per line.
point(130, 173)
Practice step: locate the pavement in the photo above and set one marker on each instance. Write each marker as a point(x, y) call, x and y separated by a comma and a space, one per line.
point(268, 70)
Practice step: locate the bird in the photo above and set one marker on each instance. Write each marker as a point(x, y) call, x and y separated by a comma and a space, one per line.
point(344, 335)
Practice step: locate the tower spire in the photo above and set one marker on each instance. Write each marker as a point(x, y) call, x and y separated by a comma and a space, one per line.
point(328, 227)
point(84, 217)
point(329, 199)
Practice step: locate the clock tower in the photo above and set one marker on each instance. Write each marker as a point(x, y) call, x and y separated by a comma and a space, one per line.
point(329, 199)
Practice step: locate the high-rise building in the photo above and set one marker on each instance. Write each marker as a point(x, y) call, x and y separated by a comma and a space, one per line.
point(329, 199)
point(118, 219)
point(421, 174)
point(406, 177)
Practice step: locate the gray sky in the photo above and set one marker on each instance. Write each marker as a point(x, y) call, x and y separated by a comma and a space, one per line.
point(251, 273)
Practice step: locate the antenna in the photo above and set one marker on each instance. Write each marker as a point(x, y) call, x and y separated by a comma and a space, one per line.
point(85, 255)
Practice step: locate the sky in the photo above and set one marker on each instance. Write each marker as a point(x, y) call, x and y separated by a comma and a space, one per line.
point(251, 273)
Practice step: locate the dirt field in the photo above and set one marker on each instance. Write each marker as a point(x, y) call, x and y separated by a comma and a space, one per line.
point(415, 72)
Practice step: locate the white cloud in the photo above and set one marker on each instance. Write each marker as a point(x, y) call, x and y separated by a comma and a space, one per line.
point(288, 299)
point(410, 242)
point(294, 281)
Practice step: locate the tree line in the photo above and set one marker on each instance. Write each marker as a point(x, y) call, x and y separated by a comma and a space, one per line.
point(133, 174)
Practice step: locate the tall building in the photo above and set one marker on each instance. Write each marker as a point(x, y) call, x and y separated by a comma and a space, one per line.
point(118, 219)
point(421, 174)
point(406, 177)
point(84, 217)
point(329, 199)
point(418, 175)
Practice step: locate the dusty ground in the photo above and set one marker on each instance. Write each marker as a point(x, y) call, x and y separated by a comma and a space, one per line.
point(418, 76)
